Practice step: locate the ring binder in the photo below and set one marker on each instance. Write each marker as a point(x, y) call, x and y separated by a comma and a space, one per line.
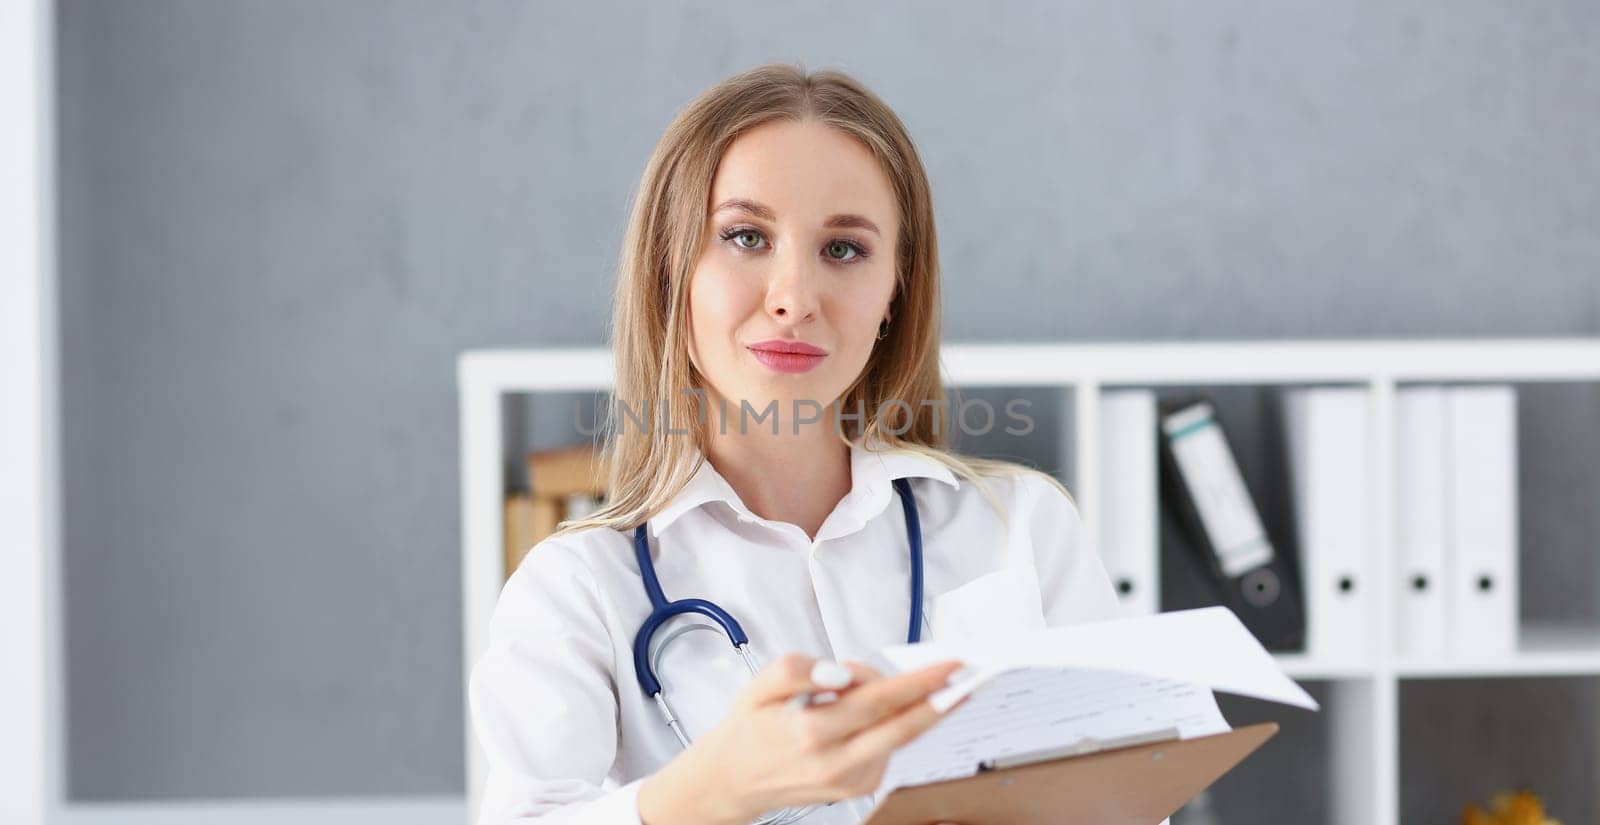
point(1202, 480)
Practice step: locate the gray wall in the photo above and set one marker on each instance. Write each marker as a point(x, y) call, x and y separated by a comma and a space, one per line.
point(281, 221)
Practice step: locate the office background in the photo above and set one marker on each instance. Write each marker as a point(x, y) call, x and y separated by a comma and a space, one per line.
point(280, 222)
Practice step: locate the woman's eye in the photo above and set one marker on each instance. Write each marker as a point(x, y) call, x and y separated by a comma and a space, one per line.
point(843, 251)
point(840, 251)
point(738, 237)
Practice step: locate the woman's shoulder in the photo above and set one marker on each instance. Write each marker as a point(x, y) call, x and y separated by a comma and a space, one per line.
point(1019, 490)
point(565, 575)
point(576, 554)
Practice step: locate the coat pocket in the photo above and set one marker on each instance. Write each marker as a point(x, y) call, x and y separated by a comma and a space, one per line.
point(1006, 599)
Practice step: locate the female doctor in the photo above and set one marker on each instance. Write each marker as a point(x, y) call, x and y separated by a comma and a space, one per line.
point(781, 502)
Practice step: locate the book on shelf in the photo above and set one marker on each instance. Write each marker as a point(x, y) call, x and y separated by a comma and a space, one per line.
point(563, 483)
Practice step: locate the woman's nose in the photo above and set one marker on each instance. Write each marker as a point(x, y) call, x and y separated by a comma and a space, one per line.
point(792, 288)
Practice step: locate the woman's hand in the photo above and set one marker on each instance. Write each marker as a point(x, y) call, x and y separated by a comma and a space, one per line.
point(766, 754)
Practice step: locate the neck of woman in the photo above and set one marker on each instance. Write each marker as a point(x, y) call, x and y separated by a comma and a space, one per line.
point(786, 476)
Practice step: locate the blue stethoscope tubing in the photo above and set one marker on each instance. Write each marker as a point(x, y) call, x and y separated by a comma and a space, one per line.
point(662, 609)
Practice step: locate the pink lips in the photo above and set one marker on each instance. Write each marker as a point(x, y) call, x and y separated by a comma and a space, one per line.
point(787, 356)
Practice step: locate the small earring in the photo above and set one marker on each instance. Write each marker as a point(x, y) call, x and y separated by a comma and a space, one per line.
point(883, 329)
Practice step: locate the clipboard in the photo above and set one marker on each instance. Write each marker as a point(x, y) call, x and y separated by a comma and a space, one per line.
point(1115, 784)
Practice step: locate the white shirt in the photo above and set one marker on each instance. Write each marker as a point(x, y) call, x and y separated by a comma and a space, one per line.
point(568, 732)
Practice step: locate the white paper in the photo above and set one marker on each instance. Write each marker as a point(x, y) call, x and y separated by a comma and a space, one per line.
point(1033, 709)
point(1032, 690)
point(1208, 646)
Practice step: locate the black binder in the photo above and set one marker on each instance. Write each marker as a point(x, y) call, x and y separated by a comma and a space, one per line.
point(1257, 577)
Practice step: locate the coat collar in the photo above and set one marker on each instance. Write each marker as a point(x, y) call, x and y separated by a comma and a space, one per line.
point(872, 469)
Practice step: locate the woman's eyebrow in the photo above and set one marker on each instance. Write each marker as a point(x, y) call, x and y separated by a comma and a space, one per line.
point(763, 212)
point(853, 222)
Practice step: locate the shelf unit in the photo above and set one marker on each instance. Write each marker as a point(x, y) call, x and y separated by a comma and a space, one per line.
point(1365, 750)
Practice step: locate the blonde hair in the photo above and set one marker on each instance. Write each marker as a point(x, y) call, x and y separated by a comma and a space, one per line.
point(646, 467)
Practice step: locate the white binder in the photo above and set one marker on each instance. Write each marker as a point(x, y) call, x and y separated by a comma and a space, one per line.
point(1481, 519)
point(1331, 477)
point(1420, 588)
point(1128, 500)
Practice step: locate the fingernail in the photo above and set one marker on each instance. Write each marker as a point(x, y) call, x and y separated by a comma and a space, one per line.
point(960, 674)
point(830, 674)
point(945, 698)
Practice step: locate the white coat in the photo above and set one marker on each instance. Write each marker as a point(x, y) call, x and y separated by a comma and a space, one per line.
point(570, 735)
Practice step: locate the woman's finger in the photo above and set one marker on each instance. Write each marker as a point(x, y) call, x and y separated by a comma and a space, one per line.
point(789, 675)
point(864, 673)
point(882, 739)
point(860, 675)
point(868, 704)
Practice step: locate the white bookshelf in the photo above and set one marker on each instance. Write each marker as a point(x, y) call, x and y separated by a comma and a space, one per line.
point(32, 749)
point(1364, 751)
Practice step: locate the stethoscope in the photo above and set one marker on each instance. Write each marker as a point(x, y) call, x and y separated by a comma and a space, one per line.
point(662, 610)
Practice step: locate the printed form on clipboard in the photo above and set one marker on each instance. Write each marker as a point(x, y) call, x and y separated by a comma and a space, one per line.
point(1064, 691)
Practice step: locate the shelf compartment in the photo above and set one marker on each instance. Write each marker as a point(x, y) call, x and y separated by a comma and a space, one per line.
point(1303, 774)
point(1462, 740)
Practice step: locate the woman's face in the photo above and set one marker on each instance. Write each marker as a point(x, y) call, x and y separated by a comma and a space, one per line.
point(799, 250)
